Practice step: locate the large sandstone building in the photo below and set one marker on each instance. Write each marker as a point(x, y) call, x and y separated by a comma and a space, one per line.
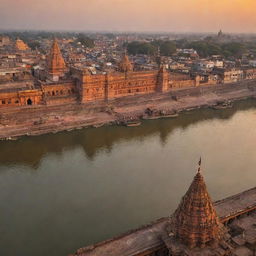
point(60, 84)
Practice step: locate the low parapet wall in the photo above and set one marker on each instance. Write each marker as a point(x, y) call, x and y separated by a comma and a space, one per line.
point(220, 88)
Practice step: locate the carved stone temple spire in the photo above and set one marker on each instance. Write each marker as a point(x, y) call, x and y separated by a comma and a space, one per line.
point(125, 65)
point(56, 63)
point(195, 222)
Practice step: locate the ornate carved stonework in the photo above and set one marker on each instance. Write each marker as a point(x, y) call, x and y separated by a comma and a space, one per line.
point(195, 222)
point(125, 65)
point(56, 64)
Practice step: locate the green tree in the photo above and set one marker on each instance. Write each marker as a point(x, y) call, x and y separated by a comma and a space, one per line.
point(167, 48)
point(85, 40)
point(141, 48)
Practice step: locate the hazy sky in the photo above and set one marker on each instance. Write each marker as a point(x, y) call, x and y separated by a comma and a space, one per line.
point(130, 15)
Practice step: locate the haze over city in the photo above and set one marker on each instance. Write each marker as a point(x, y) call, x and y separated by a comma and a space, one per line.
point(234, 16)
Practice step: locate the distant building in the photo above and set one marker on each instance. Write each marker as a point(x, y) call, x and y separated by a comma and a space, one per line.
point(20, 45)
point(220, 34)
point(4, 40)
point(252, 63)
point(231, 75)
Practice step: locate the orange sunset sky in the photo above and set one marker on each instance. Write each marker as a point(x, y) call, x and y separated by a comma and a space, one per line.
point(130, 15)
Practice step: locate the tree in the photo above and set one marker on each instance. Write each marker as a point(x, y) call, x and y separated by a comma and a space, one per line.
point(167, 48)
point(86, 41)
point(141, 48)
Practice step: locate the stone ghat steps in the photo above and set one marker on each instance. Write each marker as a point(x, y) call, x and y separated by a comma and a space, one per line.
point(37, 113)
point(49, 127)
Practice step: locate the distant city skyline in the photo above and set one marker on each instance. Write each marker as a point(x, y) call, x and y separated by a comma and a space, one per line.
point(232, 16)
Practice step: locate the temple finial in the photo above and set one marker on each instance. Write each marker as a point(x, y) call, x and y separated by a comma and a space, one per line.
point(199, 165)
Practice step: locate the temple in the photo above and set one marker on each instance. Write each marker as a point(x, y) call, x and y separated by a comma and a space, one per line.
point(195, 222)
point(20, 45)
point(56, 64)
point(197, 228)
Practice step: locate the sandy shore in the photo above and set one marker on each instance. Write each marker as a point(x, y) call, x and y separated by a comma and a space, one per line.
point(39, 120)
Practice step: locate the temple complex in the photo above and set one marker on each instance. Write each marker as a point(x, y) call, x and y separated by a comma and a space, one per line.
point(60, 83)
point(197, 228)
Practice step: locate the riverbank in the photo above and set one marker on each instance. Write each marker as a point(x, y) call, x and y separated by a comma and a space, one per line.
point(37, 120)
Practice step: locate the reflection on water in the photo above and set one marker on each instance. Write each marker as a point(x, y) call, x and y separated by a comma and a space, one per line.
point(30, 151)
point(60, 192)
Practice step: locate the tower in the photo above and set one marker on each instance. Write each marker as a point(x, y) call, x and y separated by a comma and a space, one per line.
point(220, 33)
point(20, 45)
point(56, 64)
point(195, 222)
point(163, 79)
point(125, 65)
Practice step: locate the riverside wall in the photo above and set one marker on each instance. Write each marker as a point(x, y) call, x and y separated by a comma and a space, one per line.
point(36, 120)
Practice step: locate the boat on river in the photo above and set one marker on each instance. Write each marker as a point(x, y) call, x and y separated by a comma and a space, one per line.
point(133, 124)
point(223, 105)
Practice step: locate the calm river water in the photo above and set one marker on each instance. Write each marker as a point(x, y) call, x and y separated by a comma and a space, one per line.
point(64, 191)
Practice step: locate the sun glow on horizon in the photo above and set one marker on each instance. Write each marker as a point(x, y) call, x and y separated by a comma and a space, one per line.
point(133, 15)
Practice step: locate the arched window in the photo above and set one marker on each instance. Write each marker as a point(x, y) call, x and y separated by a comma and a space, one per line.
point(29, 102)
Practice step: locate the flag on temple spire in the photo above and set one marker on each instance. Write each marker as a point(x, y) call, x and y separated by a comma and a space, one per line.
point(199, 163)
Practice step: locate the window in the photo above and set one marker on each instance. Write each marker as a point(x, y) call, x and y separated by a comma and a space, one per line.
point(3, 101)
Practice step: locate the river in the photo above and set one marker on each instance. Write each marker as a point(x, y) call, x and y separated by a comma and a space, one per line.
point(63, 191)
